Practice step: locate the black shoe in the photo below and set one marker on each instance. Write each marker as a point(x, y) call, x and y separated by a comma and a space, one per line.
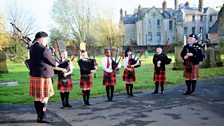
point(44, 121)
point(68, 105)
point(132, 95)
point(192, 93)
point(87, 103)
point(155, 92)
point(186, 93)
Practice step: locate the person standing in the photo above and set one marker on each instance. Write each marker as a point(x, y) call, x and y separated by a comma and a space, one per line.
point(191, 56)
point(160, 60)
point(41, 73)
point(129, 76)
point(109, 66)
point(64, 79)
point(86, 68)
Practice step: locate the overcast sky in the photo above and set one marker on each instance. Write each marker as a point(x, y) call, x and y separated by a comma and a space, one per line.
point(41, 9)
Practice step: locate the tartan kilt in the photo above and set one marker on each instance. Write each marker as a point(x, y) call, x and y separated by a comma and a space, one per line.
point(109, 79)
point(129, 76)
point(65, 87)
point(86, 81)
point(194, 74)
point(41, 87)
point(161, 77)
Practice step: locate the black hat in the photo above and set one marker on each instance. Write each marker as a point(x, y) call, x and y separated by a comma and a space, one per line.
point(193, 35)
point(40, 34)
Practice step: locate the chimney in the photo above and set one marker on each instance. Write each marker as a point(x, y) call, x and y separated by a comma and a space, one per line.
point(187, 4)
point(139, 8)
point(176, 5)
point(164, 5)
point(201, 6)
point(121, 14)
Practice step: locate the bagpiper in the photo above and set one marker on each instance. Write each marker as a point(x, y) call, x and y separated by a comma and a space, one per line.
point(160, 59)
point(130, 61)
point(109, 66)
point(192, 55)
point(87, 66)
point(64, 79)
point(41, 72)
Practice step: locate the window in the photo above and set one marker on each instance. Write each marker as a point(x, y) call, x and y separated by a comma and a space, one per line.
point(170, 25)
point(210, 18)
point(179, 18)
point(193, 18)
point(158, 36)
point(149, 23)
point(149, 36)
point(193, 30)
point(185, 31)
point(201, 18)
point(158, 22)
point(201, 30)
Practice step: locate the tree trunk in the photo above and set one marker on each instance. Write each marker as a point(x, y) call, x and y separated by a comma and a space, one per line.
point(3, 66)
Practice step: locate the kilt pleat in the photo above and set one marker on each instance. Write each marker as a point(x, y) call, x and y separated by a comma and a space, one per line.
point(86, 81)
point(194, 74)
point(159, 77)
point(65, 86)
point(129, 76)
point(41, 87)
point(109, 79)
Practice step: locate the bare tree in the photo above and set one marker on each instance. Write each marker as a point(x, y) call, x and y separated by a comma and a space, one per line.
point(22, 18)
point(74, 17)
point(25, 21)
point(108, 32)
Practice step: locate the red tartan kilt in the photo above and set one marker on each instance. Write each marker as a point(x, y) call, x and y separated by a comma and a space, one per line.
point(161, 77)
point(194, 74)
point(41, 87)
point(67, 87)
point(109, 79)
point(86, 81)
point(130, 78)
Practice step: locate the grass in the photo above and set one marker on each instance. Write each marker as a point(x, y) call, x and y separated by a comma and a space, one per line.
point(20, 94)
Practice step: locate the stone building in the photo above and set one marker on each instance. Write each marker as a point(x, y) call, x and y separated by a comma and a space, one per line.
point(161, 26)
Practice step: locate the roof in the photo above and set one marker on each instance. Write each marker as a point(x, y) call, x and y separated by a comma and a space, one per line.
point(214, 28)
point(191, 11)
point(210, 11)
point(129, 19)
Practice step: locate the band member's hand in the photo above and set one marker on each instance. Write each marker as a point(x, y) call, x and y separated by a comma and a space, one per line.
point(65, 74)
point(63, 70)
point(93, 71)
point(159, 62)
point(129, 69)
point(189, 54)
point(186, 56)
point(95, 67)
point(133, 66)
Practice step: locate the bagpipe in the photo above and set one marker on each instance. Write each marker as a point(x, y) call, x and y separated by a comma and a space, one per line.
point(134, 60)
point(92, 61)
point(198, 48)
point(26, 40)
point(116, 62)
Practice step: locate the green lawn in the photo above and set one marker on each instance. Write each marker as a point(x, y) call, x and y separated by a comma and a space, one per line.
point(20, 94)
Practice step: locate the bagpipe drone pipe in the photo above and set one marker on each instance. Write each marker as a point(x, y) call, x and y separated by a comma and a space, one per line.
point(26, 40)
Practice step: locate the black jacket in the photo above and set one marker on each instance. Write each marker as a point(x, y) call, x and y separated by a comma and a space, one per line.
point(197, 54)
point(41, 61)
point(85, 66)
point(164, 60)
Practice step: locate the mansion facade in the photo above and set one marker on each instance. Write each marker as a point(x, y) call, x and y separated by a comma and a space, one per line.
point(164, 26)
